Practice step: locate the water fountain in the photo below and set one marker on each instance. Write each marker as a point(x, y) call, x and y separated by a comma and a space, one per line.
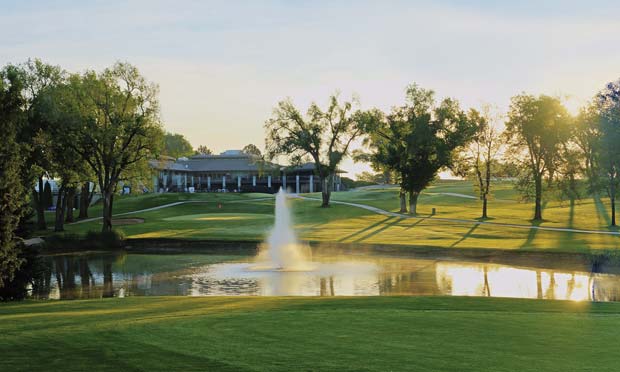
point(285, 267)
point(282, 251)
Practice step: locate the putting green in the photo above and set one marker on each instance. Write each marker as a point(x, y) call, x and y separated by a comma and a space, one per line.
point(221, 217)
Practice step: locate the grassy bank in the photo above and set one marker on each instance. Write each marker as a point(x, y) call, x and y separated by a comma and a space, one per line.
point(319, 334)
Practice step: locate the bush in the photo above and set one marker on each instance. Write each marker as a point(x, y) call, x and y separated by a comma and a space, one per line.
point(599, 260)
point(17, 287)
point(351, 184)
point(108, 239)
point(94, 240)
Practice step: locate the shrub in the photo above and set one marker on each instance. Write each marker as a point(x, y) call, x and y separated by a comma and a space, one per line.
point(94, 240)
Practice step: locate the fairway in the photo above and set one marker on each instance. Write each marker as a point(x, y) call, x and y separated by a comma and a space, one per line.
point(318, 334)
point(458, 199)
point(248, 217)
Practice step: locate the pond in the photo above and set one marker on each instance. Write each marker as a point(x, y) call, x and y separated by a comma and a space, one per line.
point(95, 275)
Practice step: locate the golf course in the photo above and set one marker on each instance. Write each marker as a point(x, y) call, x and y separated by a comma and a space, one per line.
point(581, 226)
point(325, 186)
point(328, 333)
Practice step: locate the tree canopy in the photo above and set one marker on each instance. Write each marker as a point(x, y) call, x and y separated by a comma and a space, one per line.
point(608, 101)
point(417, 140)
point(251, 149)
point(479, 158)
point(114, 124)
point(322, 135)
point(536, 131)
point(14, 200)
point(176, 145)
point(203, 150)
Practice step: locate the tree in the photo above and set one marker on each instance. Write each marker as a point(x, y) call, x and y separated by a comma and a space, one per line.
point(587, 137)
point(536, 131)
point(176, 145)
point(385, 152)
point(371, 178)
point(14, 198)
point(430, 143)
point(65, 164)
point(38, 77)
point(203, 150)
point(417, 140)
point(570, 171)
point(115, 128)
point(48, 198)
point(251, 150)
point(69, 170)
point(608, 101)
point(480, 156)
point(384, 175)
point(506, 169)
point(323, 135)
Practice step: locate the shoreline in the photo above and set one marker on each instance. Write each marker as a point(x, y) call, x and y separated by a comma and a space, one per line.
point(603, 261)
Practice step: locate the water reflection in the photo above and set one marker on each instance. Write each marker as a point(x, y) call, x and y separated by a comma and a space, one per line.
point(107, 275)
point(501, 281)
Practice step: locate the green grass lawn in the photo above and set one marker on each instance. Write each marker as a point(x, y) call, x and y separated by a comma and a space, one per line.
point(249, 217)
point(129, 203)
point(309, 334)
point(505, 206)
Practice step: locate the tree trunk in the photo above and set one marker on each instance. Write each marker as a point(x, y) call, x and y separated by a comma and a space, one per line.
point(107, 211)
point(61, 203)
point(39, 203)
point(325, 195)
point(326, 190)
point(538, 200)
point(413, 202)
point(84, 200)
point(612, 199)
point(403, 201)
point(70, 204)
point(487, 182)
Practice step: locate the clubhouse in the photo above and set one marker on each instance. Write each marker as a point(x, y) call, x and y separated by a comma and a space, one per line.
point(234, 171)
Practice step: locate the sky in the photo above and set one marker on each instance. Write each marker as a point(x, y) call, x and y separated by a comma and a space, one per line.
point(222, 66)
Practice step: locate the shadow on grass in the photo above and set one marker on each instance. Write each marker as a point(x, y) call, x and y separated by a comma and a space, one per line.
point(569, 238)
point(465, 236)
point(367, 228)
point(415, 223)
point(601, 211)
point(531, 235)
point(394, 221)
